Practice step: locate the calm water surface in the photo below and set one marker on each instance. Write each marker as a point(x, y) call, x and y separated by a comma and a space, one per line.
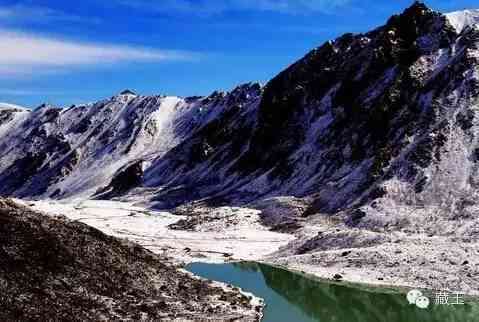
point(291, 297)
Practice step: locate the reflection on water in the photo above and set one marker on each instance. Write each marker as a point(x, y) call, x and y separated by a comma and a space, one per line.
point(291, 297)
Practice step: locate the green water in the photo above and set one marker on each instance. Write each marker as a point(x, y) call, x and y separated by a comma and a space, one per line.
point(291, 297)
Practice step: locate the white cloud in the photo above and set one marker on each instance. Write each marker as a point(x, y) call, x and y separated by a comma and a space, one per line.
point(218, 6)
point(22, 54)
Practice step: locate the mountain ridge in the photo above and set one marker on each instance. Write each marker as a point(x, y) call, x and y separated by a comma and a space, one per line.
point(8, 106)
point(366, 117)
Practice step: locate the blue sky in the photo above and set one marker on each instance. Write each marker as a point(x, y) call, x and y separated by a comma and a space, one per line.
point(69, 52)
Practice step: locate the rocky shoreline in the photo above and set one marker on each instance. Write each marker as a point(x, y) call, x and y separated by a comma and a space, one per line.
point(437, 264)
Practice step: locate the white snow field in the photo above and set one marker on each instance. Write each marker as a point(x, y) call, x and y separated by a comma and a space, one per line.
point(213, 242)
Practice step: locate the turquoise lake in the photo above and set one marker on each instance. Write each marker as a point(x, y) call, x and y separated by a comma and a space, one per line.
point(292, 297)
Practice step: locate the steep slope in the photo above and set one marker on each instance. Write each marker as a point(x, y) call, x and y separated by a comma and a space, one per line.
point(358, 118)
point(55, 269)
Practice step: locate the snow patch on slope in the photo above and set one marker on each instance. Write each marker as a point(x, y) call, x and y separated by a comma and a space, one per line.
point(17, 115)
point(462, 19)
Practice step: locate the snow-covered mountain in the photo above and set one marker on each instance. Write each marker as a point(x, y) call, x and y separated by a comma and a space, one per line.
point(363, 124)
point(53, 152)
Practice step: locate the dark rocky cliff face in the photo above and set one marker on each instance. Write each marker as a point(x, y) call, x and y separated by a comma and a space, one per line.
point(125, 179)
point(349, 69)
point(339, 123)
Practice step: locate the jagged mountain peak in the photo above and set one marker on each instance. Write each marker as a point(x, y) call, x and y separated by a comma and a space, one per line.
point(417, 19)
point(248, 86)
point(44, 106)
point(247, 89)
point(417, 10)
point(128, 92)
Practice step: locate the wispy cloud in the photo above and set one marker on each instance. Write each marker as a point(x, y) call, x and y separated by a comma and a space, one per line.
point(208, 7)
point(24, 54)
point(30, 92)
point(292, 6)
point(20, 13)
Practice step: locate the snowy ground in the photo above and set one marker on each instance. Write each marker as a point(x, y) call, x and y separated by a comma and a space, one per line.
point(213, 241)
point(321, 247)
point(428, 264)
